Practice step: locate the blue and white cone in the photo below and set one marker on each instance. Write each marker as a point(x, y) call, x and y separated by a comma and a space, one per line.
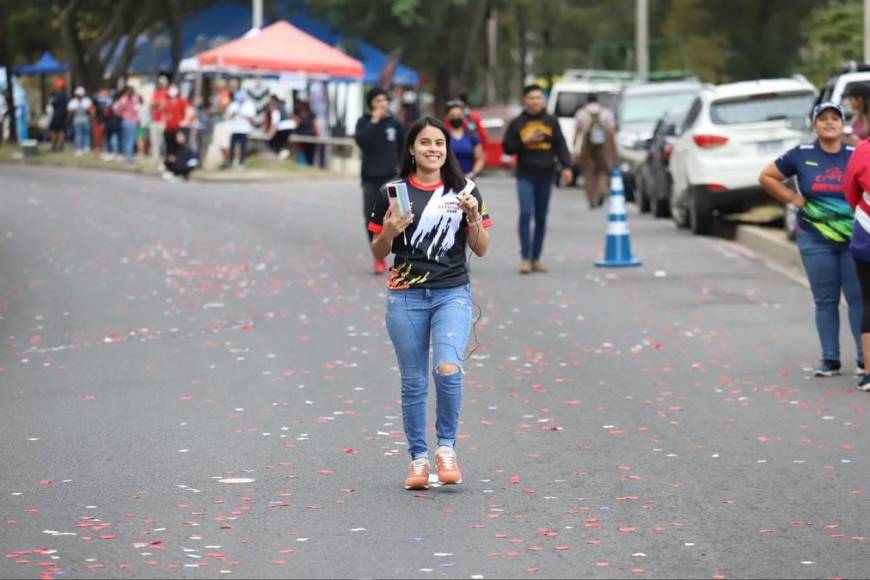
point(617, 250)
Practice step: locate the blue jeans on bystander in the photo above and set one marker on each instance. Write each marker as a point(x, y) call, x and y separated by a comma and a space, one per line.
point(831, 271)
point(534, 198)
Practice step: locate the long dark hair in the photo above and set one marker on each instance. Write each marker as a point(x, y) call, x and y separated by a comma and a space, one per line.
point(451, 173)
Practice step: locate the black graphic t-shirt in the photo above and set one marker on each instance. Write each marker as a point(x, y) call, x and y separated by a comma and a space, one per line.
point(430, 253)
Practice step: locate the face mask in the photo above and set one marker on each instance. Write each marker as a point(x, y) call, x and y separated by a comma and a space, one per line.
point(455, 122)
point(173, 92)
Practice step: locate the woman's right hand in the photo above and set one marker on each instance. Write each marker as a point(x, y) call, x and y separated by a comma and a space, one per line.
point(395, 223)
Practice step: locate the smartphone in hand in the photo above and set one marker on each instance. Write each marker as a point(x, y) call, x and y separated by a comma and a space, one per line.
point(398, 194)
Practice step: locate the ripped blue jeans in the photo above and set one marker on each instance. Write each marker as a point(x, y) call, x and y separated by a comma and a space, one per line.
point(418, 318)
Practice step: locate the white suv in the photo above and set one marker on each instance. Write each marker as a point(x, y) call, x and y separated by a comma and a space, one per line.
point(730, 133)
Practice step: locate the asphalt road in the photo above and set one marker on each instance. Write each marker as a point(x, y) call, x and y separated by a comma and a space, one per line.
point(197, 382)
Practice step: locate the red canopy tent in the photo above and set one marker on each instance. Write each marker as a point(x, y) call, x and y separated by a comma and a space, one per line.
point(281, 47)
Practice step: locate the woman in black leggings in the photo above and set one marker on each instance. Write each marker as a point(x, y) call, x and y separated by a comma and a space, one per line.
point(857, 183)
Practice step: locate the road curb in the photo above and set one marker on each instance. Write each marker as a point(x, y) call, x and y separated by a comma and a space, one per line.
point(773, 248)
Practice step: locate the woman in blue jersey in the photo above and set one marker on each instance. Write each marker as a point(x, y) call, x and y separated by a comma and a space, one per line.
point(466, 144)
point(824, 228)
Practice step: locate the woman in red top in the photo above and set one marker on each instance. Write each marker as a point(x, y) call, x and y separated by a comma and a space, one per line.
point(177, 114)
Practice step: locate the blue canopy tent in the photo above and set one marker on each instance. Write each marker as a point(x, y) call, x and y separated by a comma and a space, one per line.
point(46, 65)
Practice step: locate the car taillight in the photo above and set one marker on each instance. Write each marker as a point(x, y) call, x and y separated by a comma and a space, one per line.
point(666, 152)
point(709, 141)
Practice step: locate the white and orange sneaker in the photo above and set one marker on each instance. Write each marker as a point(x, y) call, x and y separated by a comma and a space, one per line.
point(418, 474)
point(447, 465)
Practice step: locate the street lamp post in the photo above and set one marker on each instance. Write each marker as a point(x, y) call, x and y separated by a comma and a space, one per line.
point(866, 30)
point(257, 12)
point(641, 37)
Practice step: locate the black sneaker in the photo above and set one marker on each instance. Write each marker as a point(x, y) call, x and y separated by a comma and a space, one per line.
point(828, 368)
point(864, 384)
point(859, 368)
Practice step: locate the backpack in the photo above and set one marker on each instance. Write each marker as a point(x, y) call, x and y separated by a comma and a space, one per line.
point(595, 134)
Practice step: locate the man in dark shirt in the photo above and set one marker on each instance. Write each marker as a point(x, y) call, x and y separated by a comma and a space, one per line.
point(380, 136)
point(536, 139)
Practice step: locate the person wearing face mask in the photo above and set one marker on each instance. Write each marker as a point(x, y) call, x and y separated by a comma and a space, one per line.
point(825, 225)
point(380, 137)
point(177, 115)
point(536, 139)
point(466, 144)
point(428, 293)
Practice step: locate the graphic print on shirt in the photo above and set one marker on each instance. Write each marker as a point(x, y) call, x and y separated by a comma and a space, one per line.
point(536, 125)
point(436, 232)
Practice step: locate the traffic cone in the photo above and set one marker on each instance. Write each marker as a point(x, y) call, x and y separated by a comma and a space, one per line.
point(617, 250)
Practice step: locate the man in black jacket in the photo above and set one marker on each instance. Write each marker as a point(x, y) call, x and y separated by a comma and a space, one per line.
point(536, 139)
point(380, 137)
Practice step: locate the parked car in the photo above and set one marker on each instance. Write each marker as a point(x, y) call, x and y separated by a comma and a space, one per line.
point(729, 134)
point(638, 109)
point(653, 181)
point(495, 120)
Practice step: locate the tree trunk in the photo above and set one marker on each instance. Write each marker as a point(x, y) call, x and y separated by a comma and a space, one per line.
point(8, 60)
point(522, 40)
point(174, 16)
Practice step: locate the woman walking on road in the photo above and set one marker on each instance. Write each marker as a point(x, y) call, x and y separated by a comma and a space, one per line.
point(429, 298)
point(824, 229)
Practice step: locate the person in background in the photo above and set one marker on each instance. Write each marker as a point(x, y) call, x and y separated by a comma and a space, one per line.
point(856, 183)
point(102, 101)
point(307, 125)
point(200, 127)
point(380, 137)
point(473, 121)
point(241, 113)
point(465, 143)
point(824, 228)
point(409, 112)
point(113, 129)
point(81, 110)
point(177, 115)
point(281, 124)
point(595, 148)
point(57, 126)
point(182, 161)
point(127, 109)
point(156, 126)
point(859, 101)
point(536, 139)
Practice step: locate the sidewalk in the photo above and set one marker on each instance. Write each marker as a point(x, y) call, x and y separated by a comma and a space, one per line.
point(258, 168)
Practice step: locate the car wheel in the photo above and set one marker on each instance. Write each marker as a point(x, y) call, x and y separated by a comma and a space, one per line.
point(700, 213)
point(660, 208)
point(628, 186)
point(680, 215)
point(642, 197)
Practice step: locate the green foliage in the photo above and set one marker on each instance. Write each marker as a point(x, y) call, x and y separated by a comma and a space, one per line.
point(835, 34)
point(689, 23)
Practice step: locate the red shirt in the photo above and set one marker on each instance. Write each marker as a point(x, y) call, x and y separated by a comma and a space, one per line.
point(157, 100)
point(174, 112)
